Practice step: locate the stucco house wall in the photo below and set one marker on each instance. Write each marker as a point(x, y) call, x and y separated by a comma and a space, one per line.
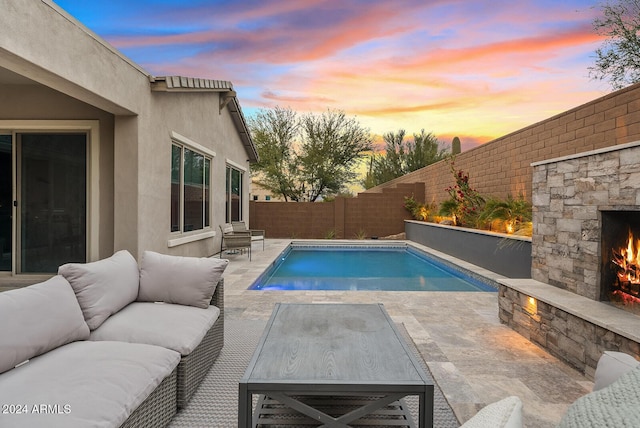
point(36, 102)
point(195, 116)
point(67, 73)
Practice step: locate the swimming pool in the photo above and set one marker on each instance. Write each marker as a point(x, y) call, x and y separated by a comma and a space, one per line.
point(375, 268)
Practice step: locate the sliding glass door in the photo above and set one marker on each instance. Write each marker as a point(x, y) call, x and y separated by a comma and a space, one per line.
point(6, 202)
point(52, 200)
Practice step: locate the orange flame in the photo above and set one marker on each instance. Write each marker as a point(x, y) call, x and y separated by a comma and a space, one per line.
point(628, 260)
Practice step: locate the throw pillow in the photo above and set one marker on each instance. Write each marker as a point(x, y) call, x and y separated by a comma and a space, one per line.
point(506, 413)
point(37, 319)
point(103, 287)
point(614, 406)
point(187, 281)
point(611, 366)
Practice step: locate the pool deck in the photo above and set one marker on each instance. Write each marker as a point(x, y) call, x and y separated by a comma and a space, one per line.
point(473, 357)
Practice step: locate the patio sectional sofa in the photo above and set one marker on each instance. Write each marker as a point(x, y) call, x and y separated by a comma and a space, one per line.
point(110, 343)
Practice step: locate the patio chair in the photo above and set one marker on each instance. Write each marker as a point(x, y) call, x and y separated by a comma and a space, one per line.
point(232, 240)
point(256, 234)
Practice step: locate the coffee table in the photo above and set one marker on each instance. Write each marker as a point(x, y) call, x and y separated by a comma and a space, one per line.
point(336, 350)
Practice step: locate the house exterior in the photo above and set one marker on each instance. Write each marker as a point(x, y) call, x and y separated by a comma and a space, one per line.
point(97, 155)
point(259, 193)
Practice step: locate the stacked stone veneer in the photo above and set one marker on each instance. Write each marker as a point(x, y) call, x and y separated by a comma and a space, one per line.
point(567, 336)
point(568, 195)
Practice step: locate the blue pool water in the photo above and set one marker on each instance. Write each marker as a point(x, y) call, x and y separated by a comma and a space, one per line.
point(383, 269)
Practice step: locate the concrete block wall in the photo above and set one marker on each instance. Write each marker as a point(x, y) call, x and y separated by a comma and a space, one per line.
point(376, 214)
point(302, 220)
point(502, 166)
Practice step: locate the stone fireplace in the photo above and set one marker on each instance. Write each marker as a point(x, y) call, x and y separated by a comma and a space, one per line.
point(584, 293)
point(620, 259)
point(585, 205)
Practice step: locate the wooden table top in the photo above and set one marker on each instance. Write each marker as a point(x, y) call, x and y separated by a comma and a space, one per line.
point(334, 344)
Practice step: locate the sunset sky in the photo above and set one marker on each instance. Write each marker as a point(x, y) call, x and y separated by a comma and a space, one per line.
point(472, 68)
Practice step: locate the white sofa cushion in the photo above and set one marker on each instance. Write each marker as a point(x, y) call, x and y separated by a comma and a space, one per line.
point(176, 327)
point(103, 287)
point(614, 406)
point(37, 319)
point(506, 413)
point(611, 366)
point(182, 280)
point(93, 384)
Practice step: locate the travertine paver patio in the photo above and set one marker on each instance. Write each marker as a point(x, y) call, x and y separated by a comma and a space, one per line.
point(475, 359)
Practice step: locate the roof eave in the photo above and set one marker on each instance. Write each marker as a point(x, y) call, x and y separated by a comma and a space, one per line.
point(190, 84)
point(243, 130)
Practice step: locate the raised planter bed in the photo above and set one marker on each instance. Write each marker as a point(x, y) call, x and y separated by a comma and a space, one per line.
point(504, 254)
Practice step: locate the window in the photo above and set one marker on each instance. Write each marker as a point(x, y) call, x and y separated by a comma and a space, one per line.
point(190, 183)
point(234, 195)
point(267, 198)
point(255, 197)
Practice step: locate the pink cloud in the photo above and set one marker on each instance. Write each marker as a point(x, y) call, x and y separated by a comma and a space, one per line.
point(295, 99)
point(450, 66)
point(492, 55)
point(412, 108)
point(284, 41)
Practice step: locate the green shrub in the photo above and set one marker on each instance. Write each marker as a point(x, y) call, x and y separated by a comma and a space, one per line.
point(515, 213)
point(418, 211)
point(360, 234)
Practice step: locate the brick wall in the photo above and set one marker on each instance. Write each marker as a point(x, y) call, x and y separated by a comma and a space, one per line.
point(502, 166)
point(372, 214)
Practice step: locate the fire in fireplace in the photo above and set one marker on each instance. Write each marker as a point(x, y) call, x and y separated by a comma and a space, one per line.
point(620, 269)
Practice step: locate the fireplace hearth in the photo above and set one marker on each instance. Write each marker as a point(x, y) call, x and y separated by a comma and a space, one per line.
point(585, 269)
point(620, 261)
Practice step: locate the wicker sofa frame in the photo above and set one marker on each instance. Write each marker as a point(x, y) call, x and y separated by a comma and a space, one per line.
point(195, 366)
point(159, 407)
point(175, 391)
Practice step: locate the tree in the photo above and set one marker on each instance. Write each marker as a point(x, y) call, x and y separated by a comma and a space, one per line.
point(402, 157)
point(303, 158)
point(274, 133)
point(387, 166)
point(618, 59)
point(422, 151)
point(331, 145)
